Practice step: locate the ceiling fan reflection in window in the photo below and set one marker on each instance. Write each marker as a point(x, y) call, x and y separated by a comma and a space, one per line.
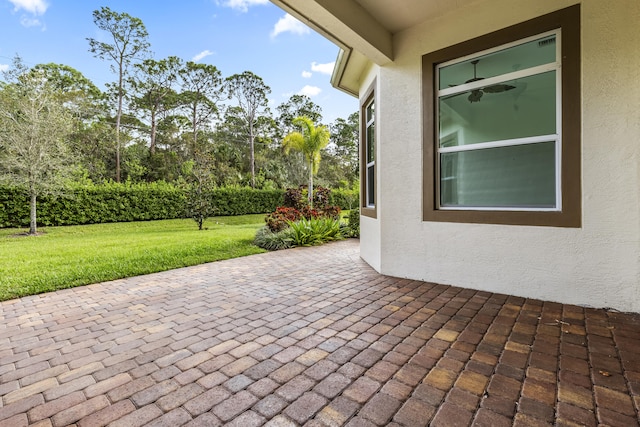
point(476, 94)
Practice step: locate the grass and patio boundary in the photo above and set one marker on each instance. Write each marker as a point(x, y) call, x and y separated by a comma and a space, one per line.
point(64, 257)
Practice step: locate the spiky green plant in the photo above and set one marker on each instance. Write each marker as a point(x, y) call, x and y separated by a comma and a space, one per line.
point(273, 241)
point(315, 231)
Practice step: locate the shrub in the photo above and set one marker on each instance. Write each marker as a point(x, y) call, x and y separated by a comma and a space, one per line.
point(267, 239)
point(352, 227)
point(332, 212)
point(280, 219)
point(199, 205)
point(295, 197)
point(310, 232)
point(245, 200)
point(321, 197)
point(109, 202)
point(112, 202)
point(309, 213)
point(296, 208)
point(345, 198)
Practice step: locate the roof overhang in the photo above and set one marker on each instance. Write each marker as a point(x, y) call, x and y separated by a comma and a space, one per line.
point(346, 23)
point(350, 65)
point(364, 29)
point(360, 37)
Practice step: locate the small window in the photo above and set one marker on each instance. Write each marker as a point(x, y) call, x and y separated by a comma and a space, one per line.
point(370, 147)
point(368, 154)
point(503, 145)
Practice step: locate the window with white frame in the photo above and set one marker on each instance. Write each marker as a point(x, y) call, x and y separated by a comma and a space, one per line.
point(502, 126)
point(370, 154)
point(502, 105)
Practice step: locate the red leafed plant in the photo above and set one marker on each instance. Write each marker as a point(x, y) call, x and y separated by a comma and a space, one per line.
point(296, 208)
point(279, 220)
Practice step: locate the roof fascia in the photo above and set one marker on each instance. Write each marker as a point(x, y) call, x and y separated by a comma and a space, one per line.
point(345, 23)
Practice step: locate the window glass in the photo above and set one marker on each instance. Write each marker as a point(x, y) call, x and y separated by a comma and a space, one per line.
point(507, 172)
point(371, 146)
point(371, 194)
point(521, 176)
point(370, 112)
point(527, 108)
point(369, 154)
point(527, 55)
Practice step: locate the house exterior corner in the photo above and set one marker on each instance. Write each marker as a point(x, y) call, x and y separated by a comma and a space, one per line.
point(526, 183)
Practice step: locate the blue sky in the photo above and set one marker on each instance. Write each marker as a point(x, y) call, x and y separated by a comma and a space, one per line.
point(233, 35)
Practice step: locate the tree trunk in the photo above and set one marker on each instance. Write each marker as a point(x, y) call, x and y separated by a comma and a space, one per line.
point(118, 117)
point(310, 189)
point(252, 159)
point(152, 146)
point(33, 228)
point(194, 116)
point(118, 147)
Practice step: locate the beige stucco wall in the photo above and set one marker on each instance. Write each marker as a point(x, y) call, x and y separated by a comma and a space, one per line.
point(597, 265)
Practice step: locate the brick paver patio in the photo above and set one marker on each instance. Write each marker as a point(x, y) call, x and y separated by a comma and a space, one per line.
point(310, 337)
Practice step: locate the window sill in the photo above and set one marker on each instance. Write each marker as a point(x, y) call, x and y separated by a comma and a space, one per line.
point(533, 218)
point(369, 212)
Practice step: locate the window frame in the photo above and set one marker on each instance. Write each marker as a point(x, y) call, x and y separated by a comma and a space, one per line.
point(366, 208)
point(568, 212)
point(463, 88)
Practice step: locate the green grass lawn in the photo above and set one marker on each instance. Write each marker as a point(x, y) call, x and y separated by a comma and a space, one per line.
point(65, 257)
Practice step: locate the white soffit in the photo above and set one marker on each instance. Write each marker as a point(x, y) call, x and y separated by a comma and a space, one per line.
point(348, 71)
point(398, 15)
point(372, 20)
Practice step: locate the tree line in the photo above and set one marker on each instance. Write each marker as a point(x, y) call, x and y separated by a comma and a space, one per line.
point(161, 120)
point(162, 113)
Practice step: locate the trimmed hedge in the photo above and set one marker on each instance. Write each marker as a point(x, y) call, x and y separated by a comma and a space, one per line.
point(94, 204)
point(245, 200)
point(125, 202)
point(137, 202)
point(345, 199)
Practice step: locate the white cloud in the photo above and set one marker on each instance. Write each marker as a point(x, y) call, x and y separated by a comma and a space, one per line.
point(323, 68)
point(307, 74)
point(30, 22)
point(310, 91)
point(289, 24)
point(202, 55)
point(35, 7)
point(4, 67)
point(242, 5)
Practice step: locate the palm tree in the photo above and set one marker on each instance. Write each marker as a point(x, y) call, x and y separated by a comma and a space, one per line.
point(309, 142)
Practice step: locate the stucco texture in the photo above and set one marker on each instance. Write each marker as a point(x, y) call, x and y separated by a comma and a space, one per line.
point(596, 265)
